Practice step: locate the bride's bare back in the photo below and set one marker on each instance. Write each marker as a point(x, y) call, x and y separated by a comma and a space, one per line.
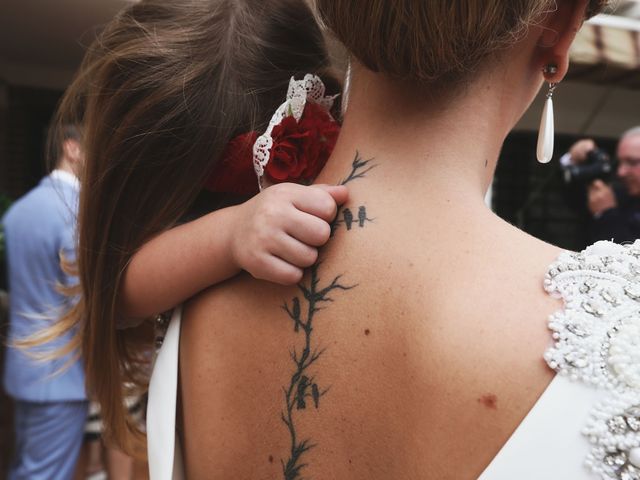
point(415, 347)
point(411, 351)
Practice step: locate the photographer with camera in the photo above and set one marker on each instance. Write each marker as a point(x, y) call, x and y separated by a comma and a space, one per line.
point(615, 212)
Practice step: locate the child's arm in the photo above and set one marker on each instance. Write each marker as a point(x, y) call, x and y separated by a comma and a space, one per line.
point(273, 236)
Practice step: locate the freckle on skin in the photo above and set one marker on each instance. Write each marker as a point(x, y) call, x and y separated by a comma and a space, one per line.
point(270, 458)
point(367, 331)
point(489, 401)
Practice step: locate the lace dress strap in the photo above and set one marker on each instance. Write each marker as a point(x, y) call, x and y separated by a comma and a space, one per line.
point(597, 342)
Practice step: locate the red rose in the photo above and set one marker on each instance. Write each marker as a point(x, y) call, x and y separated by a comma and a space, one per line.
point(234, 172)
point(299, 152)
point(301, 149)
point(286, 160)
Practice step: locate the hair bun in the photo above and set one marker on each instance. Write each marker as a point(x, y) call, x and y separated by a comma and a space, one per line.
point(433, 41)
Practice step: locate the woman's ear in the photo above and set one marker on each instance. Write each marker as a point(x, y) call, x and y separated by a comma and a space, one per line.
point(559, 28)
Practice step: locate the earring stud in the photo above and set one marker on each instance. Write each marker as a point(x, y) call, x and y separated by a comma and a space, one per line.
point(550, 69)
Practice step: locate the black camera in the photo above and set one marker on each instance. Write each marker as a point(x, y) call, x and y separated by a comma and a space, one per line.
point(597, 166)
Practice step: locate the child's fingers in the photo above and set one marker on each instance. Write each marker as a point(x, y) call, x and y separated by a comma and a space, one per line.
point(295, 252)
point(316, 201)
point(276, 270)
point(309, 229)
point(340, 193)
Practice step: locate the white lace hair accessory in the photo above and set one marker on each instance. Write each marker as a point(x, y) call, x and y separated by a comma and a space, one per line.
point(300, 92)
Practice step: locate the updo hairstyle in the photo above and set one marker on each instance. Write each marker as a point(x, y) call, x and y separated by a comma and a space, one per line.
point(432, 41)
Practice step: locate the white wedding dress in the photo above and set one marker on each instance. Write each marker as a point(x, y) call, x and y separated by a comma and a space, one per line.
point(586, 424)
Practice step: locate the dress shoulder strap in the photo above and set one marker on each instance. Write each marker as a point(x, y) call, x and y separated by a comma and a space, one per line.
point(165, 459)
point(597, 342)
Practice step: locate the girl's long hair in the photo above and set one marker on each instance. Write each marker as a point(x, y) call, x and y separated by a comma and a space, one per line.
point(159, 94)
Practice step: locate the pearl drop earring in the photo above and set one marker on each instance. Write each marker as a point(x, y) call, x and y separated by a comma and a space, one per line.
point(546, 134)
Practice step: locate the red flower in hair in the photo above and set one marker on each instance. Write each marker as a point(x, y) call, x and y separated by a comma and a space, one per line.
point(301, 149)
point(299, 152)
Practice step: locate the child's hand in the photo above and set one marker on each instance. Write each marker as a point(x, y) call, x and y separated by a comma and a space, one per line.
point(278, 232)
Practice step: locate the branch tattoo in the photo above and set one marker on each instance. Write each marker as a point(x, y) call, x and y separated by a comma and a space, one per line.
point(303, 390)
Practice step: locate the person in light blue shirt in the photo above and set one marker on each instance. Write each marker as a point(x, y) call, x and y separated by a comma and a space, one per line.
point(50, 400)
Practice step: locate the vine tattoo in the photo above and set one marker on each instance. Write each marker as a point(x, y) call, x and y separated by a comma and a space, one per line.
point(359, 169)
point(303, 390)
point(302, 386)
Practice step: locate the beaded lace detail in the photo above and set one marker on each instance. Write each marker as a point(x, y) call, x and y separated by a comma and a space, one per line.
point(300, 92)
point(597, 341)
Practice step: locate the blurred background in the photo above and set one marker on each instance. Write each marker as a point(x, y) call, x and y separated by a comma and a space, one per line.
point(599, 99)
point(42, 43)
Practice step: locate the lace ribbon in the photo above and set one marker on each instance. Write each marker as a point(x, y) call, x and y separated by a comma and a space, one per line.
point(300, 92)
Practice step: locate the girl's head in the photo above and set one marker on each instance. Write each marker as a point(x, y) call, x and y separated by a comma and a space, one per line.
point(435, 42)
point(160, 94)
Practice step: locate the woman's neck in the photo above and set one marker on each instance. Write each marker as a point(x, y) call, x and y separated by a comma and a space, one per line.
point(450, 145)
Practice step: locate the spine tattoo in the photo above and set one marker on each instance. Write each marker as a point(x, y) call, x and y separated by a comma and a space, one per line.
point(303, 390)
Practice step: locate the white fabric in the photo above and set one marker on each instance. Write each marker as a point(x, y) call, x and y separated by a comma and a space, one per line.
point(163, 446)
point(548, 444)
point(66, 177)
point(597, 343)
point(586, 424)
